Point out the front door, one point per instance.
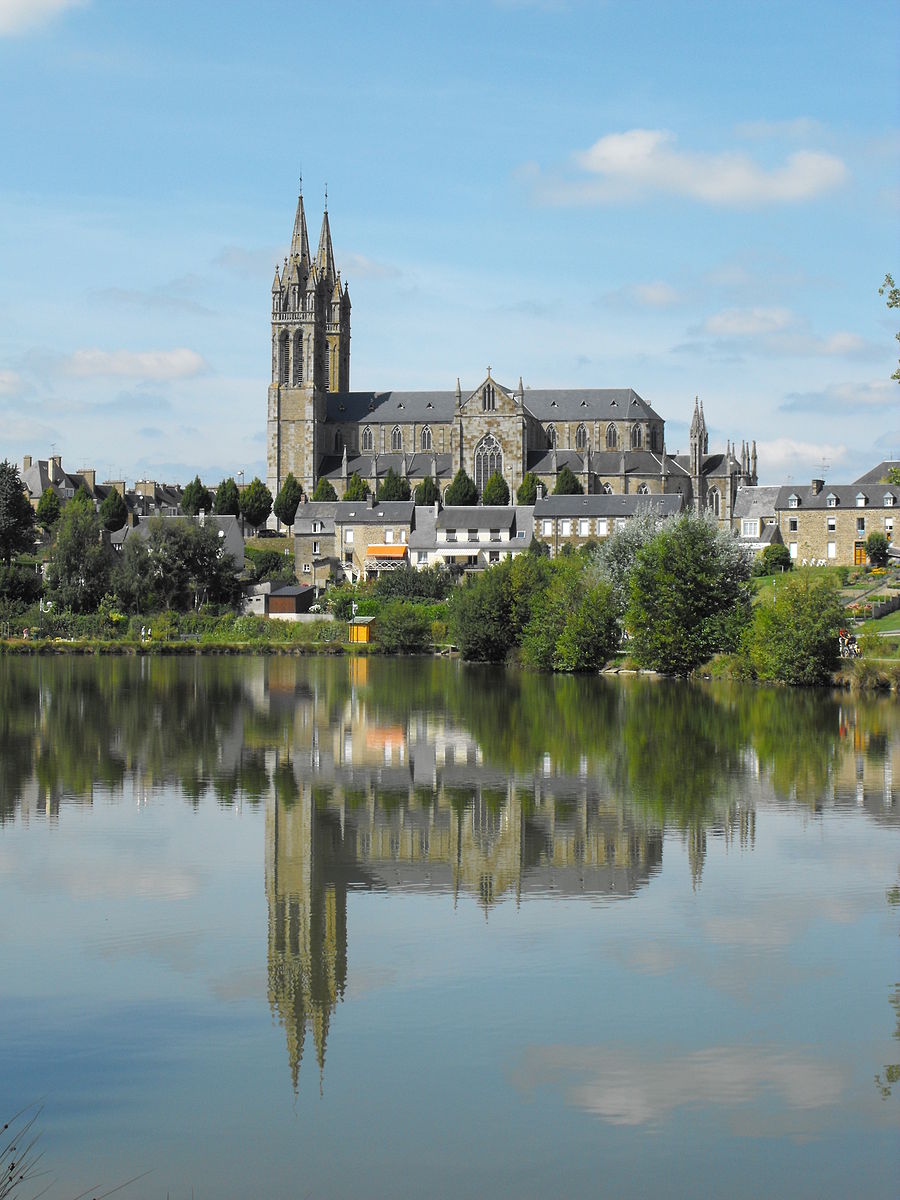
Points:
(859, 554)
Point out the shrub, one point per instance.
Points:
(496, 490)
(794, 634)
(402, 628)
(877, 549)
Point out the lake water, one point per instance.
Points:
(287, 927)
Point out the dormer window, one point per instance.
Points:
(793, 501)
(888, 499)
(832, 500)
(861, 500)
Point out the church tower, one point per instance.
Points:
(699, 447)
(310, 355)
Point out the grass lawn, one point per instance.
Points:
(888, 624)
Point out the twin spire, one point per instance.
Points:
(300, 243)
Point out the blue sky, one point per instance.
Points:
(681, 197)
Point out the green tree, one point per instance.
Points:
(689, 596)
(526, 493)
(774, 559)
(496, 490)
(178, 566)
(324, 490)
(402, 628)
(392, 487)
(573, 624)
(877, 547)
(228, 499)
(479, 617)
(113, 511)
(794, 633)
(590, 636)
(892, 292)
(288, 500)
(617, 554)
(196, 498)
(16, 514)
(81, 564)
(357, 488)
(462, 490)
(256, 503)
(427, 492)
(48, 509)
(567, 484)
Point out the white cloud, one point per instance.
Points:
(844, 398)
(10, 383)
(786, 456)
(180, 363)
(779, 332)
(640, 162)
(748, 322)
(656, 294)
(22, 16)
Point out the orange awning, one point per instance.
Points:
(376, 551)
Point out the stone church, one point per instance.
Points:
(610, 438)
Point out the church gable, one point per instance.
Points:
(490, 397)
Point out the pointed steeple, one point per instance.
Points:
(753, 460)
(299, 238)
(325, 253)
(520, 392)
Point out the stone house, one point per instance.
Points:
(470, 537)
(573, 520)
(351, 539)
(830, 523)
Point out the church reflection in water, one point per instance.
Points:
(360, 801)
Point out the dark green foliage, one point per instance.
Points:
(324, 490)
(526, 493)
(480, 618)
(773, 560)
(178, 566)
(16, 514)
(573, 625)
(877, 549)
(427, 492)
(113, 511)
(794, 634)
(271, 566)
(20, 586)
(496, 490)
(403, 628)
(228, 499)
(357, 488)
(406, 583)
(81, 565)
(567, 484)
(392, 487)
(256, 503)
(688, 596)
(196, 498)
(288, 500)
(48, 509)
(462, 490)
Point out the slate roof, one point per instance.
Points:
(755, 502)
(554, 404)
(845, 494)
(877, 473)
(604, 505)
(351, 512)
(233, 540)
(418, 465)
(477, 516)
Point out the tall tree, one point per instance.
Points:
(527, 489)
(113, 511)
(256, 503)
(794, 634)
(196, 498)
(496, 490)
(567, 484)
(357, 488)
(48, 509)
(80, 568)
(892, 292)
(462, 490)
(393, 487)
(16, 514)
(427, 492)
(324, 490)
(288, 500)
(228, 499)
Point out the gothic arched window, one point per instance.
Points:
(581, 438)
(426, 437)
(612, 438)
(338, 442)
(488, 459)
(606, 489)
(396, 438)
(713, 501)
(654, 438)
(636, 437)
(551, 436)
(298, 358)
(284, 355)
(488, 398)
(368, 442)
(643, 490)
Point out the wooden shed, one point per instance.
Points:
(361, 630)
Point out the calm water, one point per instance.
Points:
(319, 928)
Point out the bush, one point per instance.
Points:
(402, 628)
(772, 560)
(877, 549)
(794, 634)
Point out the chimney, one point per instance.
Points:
(26, 462)
(817, 485)
(540, 491)
(436, 507)
(55, 467)
(118, 484)
(90, 478)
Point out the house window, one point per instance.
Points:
(388, 536)
(831, 524)
(451, 535)
(495, 535)
(643, 490)
(792, 524)
(636, 437)
(368, 440)
(831, 550)
(317, 547)
(793, 501)
(889, 527)
(421, 556)
(832, 501)
(602, 527)
(620, 522)
(348, 536)
(792, 548)
(546, 528)
(612, 438)
(426, 438)
(888, 500)
(494, 556)
(318, 526)
(584, 527)
(396, 438)
(488, 398)
(860, 524)
(307, 569)
(581, 438)
(861, 500)
(565, 527)
(473, 535)
(488, 460)
(749, 527)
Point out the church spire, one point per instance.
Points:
(300, 238)
(325, 253)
